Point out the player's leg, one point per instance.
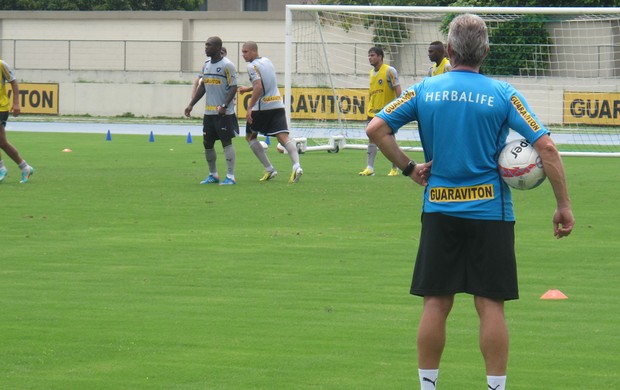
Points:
(494, 340)
(291, 147)
(371, 155)
(229, 153)
(393, 170)
(208, 140)
(6, 146)
(438, 275)
(492, 279)
(226, 133)
(12, 152)
(276, 121)
(432, 337)
(258, 150)
(3, 170)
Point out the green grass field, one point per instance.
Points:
(120, 271)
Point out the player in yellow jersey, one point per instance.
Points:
(437, 54)
(6, 106)
(384, 87)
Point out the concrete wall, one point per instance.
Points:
(237, 5)
(132, 42)
(150, 100)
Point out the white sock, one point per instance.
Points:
(428, 379)
(291, 148)
(259, 152)
(496, 382)
(372, 155)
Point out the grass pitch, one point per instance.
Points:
(120, 271)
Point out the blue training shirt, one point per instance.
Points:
(464, 119)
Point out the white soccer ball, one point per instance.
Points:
(264, 145)
(520, 165)
(281, 148)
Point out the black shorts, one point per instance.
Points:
(4, 116)
(459, 255)
(219, 127)
(268, 122)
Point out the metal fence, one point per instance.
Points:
(595, 60)
(165, 56)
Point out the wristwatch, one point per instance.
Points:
(410, 167)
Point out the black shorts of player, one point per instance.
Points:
(459, 255)
(268, 122)
(4, 116)
(219, 127)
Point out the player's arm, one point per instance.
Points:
(380, 133)
(197, 96)
(228, 99)
(395, 81)
(197, 82)
(563, 219)
(230, 96)
(257, 92)
(243, 90)
(398, 90)
(15, 87)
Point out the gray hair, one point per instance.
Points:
(468, 40)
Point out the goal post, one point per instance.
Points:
(566, 62)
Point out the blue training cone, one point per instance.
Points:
(151, 137)
(189, 137)
(108, 136)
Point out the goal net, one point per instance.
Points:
(566, 61)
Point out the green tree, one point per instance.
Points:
(518, 47)
(484, 3)
(101, 5)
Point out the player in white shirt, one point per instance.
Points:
(219, 85)
(266, 113)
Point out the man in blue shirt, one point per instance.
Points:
(467, 238)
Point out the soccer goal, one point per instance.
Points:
(566, 61)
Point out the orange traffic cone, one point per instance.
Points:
(554, 294)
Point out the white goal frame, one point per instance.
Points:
(338, 141)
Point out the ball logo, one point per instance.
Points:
(380, 81)
(519, 148)
(520, 166)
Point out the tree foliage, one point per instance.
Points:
(518, 47)
(483, 3)
(101, 5)
(388, 31)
